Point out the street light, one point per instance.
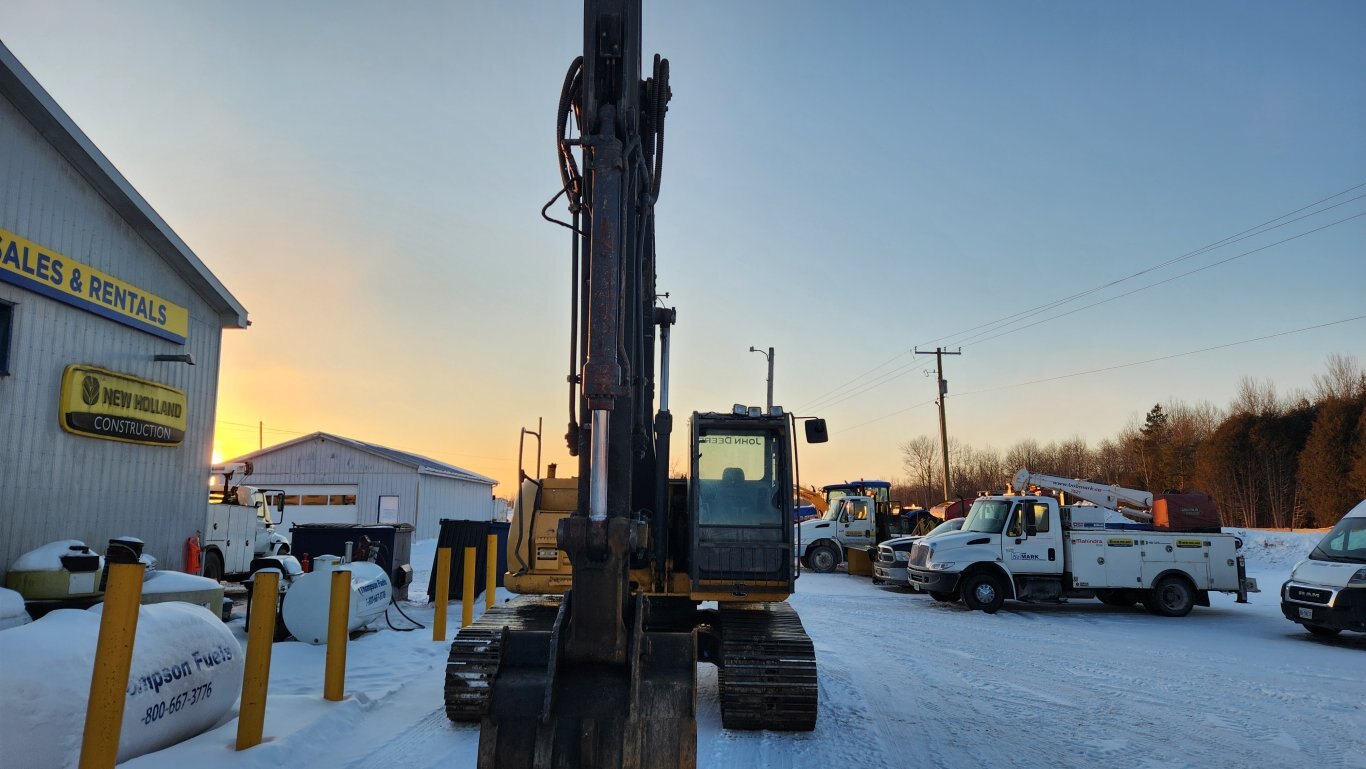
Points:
(769, 356)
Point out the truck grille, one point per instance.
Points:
(1309, 595)
(885, 554)
(920, 554)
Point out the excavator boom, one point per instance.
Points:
(604, 685)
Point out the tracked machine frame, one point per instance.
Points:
(629, 579)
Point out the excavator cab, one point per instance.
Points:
(742, 537)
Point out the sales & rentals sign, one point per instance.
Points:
(106, 404)
(27, 264)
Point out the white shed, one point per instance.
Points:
(327, 478)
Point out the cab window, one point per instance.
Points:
(858, 510)
(1039, 511)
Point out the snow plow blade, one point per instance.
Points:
(546, 713)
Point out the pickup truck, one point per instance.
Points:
(1029, 548)
(892, 555)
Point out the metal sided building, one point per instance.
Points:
(331, 479)
(105, 427)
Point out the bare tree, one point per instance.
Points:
(1343, 380)
(1026, 454)
(920, 458)
(1256, 398)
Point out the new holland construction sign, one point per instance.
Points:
(106, 404)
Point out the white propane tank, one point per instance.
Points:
(185, 676)
(309, 599)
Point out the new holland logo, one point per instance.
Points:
(90, 390)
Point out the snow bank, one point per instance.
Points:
(1276, 551)
(12, 612)
(186, 674)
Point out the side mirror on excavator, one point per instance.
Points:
(816, 432)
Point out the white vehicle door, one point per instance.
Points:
(1032, 541)
(858, 523)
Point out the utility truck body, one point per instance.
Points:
(1031, 548)
(239, 527)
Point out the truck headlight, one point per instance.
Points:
(901, 556)
(1358, 579)
(942, 565)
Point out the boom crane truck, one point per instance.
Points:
(1030, 548)
(594, 665)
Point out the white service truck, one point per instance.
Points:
(855, 522)
(239, 527)
(1031, 548)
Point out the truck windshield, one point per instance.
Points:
(834, 511)
(1346, 542)
(988, 516)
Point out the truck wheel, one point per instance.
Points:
(822, 558)
(983, 591)
(1321, 631)
(943, 597)
(213, 565)
(1171, 597)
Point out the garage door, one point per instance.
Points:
(320, 504)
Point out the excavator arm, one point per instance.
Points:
(606, 685)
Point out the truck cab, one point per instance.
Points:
(1006, 536)
(849, 523)
(1326, 592)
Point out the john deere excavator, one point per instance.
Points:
(595, 664)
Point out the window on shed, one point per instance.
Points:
(6, 324)
(314, 499)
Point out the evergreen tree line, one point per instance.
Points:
(1269, 461)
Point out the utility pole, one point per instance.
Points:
(768, 355)
(939, 353)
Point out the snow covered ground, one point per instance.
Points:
(905, 682)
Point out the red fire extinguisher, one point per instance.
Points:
(192, 551)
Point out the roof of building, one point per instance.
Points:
(38, 106)
(423, 465)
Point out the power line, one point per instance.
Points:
(1169, 357)
(972, 340)
(903, 370)
(1251, 232)
(843, 392)
(1112, 368)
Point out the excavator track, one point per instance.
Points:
(473, 659)
(767, 669)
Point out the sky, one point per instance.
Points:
(844, 182)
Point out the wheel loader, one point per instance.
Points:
(628, 578)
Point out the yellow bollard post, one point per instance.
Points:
(113, 659)
(467, 594)
(338, 621)
(491, 572)
(251, 719)
(443, 592)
